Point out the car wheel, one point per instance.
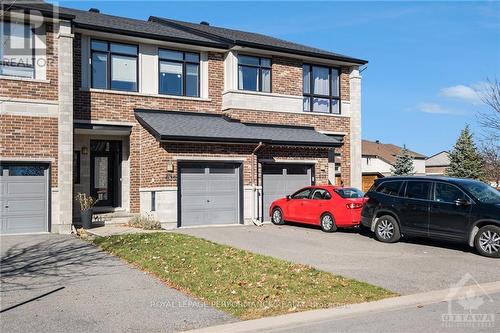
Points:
(277, 217)
(387, 229)
(327, 223)
(487, 241)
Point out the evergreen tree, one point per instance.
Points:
(404, 164)
(465, 161)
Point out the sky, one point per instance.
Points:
(428, 61)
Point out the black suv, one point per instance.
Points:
(456, 209)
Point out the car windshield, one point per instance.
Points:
(482, 192)
(349, 192)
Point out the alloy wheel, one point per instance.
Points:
(385, 229)
(327, 222)
(489, 241)
(277, 216)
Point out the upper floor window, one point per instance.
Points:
(321, 86)
(114, 65)
(17, 50)
(179, 73)
(254, 73)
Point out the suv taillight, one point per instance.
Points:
(354, 205)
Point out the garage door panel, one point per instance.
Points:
(24, 198)
(19, 224)
(26, 188)
(211, 196)
(280, 180)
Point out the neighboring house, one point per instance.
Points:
(378, 159)
(190, 123)
(437, 164)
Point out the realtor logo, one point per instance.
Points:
(470, 308)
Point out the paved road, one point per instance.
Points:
(406, 267)
(428, 318)
(91, 291)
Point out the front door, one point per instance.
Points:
(105, 171)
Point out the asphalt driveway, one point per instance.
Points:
(406, 267)
(58, 283)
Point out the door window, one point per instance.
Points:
(417, 190)
(390, 188)
(321, 194)
(302, 194)
(447, 193)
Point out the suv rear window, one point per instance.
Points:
(390, 187)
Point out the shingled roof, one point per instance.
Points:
(179, 31)
(384, 151)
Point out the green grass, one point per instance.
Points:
(244, 284)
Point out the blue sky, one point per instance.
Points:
(427, 60)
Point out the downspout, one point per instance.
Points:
(253, 171)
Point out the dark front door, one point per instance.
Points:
(414, 212)
(449, 217)
(105, 162)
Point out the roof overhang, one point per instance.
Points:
(215, 128)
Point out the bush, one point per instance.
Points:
(144, 222)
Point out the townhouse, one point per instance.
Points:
(190, 123)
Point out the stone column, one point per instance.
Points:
(355, 127)
(65, 127)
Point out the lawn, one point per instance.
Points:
(244, 284)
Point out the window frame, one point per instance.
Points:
(109, 73)
(311, 196)
(184, 62)
(311, 95)
(33, 55)
(430, 191)
(300, 191)
(433, 196)
(259, 67)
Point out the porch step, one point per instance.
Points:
(111, 218)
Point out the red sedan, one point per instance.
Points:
(327, 206)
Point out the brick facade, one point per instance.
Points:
(29, 137)
(33, 137)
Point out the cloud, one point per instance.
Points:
(462, 92)
(435, 108)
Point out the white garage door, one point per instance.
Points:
(24, 198)
(209, 194)
(280, 180)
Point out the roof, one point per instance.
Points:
(384, 151)
(179, 31)
(206, 127)
(252, 39)
(437, 160)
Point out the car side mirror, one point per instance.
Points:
(462, 202)
(288, 197)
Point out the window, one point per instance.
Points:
(321, 87)
(302, 194)
(481, 191)
(179, 73)
(153, 201)
(417, 190)
(447, 193)
(349, 192)
(321, 194)
(76, 167)
(254, 73)
(114, 66)
(390, 188)
(26, 170)
(17, 50)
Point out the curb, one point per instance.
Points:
(394, 303)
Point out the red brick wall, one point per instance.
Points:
(29, 137)
(37, 90)
(286, 76)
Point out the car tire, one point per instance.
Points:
(487, 241)
(387, 229)
(327, 223)
(277, 216)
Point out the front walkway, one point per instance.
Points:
(58, 283)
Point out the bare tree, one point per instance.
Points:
(490, 153)
(490, 119)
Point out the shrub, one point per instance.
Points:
(144, 222)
